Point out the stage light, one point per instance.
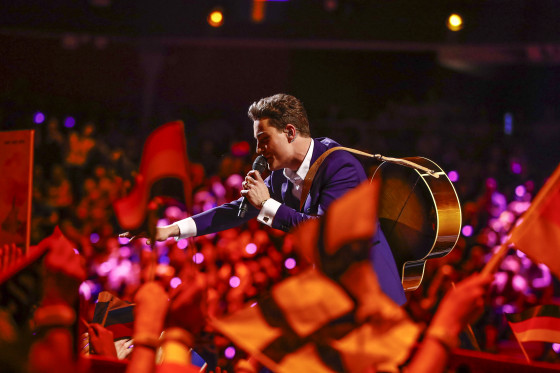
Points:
(454, 22)
(453, 176)
(230, 352)
(69, 122)
(234, 281)
(258, 11)
(467, 231)
(215, 17)
(251, 248)
(182, 244)
(516, 167)
(85, 290)
(175, 281)
(508, 123)
(94, 238)
(520, 191)
(198, 258)
(290, 263)
(39, 117)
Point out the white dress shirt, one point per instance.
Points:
(268, 211)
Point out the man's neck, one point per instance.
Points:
(301, 146)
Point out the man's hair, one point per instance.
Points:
(280, 110)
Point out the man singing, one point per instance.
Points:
(281, 128)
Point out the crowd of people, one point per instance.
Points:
(80, 172)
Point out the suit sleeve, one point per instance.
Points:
(339, 173)
(221, 218)
(224, 217)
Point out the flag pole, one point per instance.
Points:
(492, 265)
(153, 207)
(470, 331)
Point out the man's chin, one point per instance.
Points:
(273, 167)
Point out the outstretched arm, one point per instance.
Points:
(458, 308)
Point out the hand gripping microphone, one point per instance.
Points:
(259, 165)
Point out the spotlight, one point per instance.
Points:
(455, 22)
(39, 117)
(215, 17)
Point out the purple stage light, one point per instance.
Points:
(198, 258)
(520, 191)
(94, 238)
(39, 117)
(123, 240)
(467, 231)
(234, 281)
(290, 263)
(85, 290)
(182, 244)
(69, 122)
(453, 176)
(251, 248)
(104, 268)
(230, 352)
(508, 123)
(175, 281)
(516, 168)
(508, 308)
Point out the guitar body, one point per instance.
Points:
(419, 214)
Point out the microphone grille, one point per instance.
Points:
(260, 164)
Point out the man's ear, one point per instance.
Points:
(291, 132)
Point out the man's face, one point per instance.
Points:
(272, 144)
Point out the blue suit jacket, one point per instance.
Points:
(339, 173)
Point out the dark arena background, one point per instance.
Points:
(473, 86)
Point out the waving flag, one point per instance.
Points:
(538, 232)
(164, 164)
(115, 315)
(540, 323)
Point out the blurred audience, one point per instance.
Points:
(79, 173)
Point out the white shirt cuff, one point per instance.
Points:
(187, 228)
(268, 211)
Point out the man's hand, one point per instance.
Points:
(186, 305)
(101, 340)
(162, 233)
(150, 311)
(462, 304)
(254, 189)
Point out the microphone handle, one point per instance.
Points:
(243, 208)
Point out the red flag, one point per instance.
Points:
(164, 157)
(540, 323)
(538, 232)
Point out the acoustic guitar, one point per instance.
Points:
(419, 214)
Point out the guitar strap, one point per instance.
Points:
(308, 181)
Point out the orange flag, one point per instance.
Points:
(537, 233)
(317, 322)
(164, 159)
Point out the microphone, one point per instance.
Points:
(259, 165)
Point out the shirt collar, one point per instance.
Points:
(301, 172)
